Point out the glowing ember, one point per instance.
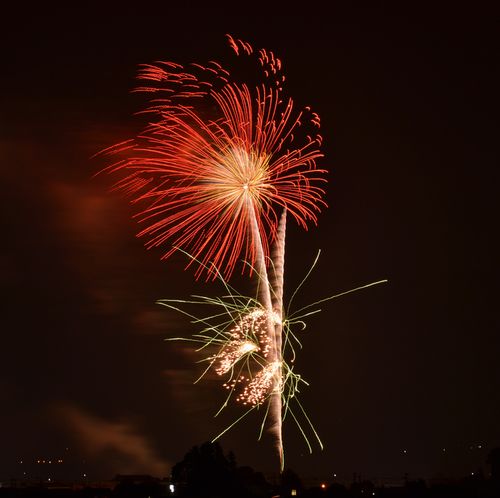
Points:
(249, 335)
(259, 387)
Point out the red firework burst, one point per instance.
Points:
(204, 184)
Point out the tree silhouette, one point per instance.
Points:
(206, 472)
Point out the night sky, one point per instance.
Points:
(403, 376)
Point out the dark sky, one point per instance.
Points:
(397, 373)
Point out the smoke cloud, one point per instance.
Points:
(130, 451)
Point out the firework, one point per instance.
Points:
(247, 336)
(212, 173)
(218, 158)
(238, 331)
(258, 388)
(244, 347)
(216, 174)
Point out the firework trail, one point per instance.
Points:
(277, 298)
(218, 166)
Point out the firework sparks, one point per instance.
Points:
(249, 335)
(245, 351)
(201, 181)
(257, 390)
(232, 352)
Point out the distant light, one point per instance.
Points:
(323, 485)
(444, 449)
(373, 493)
(472, 473)
(334, 475)
(404, 451)
(48, 479)
(293, 492)
(479, 446)
(84, 475)
(172, 488)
